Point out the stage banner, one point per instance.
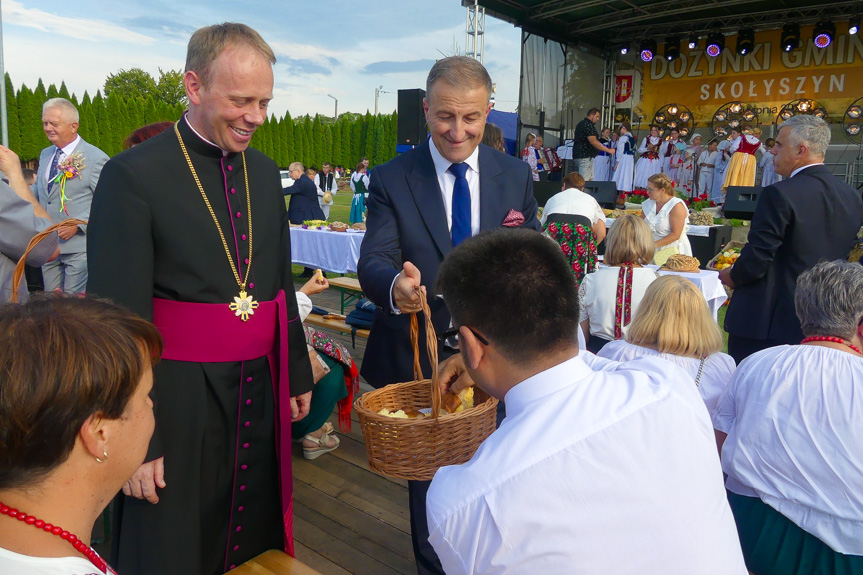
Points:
(767, 78)
(623, 90)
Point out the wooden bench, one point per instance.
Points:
(338, 325)
(273, 562)
(349, 289)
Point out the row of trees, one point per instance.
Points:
(108, 120)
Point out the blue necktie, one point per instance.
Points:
(460, 204)
(52, 173)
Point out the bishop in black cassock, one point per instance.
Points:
(152, 236)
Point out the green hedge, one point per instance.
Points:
(106, 122)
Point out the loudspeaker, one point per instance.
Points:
(412, 121)
(740, 201)
(542, 191)
(604, 192)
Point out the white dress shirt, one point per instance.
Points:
(801, 168)
(574, 202)
(611, 472)
(793, 417)
(64, 153)
(717, 371)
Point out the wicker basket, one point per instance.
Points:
(34, 241)
(416, 448)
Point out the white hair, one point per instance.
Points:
(70, 112)
(811, 131)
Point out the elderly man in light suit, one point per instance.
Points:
(60, 123)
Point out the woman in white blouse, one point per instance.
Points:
(667, 216)
(790, 421)
(610, 296)
(673, 322)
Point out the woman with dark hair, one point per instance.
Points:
(788, 427)
(576, 222)
(360, 187)
(145, 133)
(75, 424)
(493, 137)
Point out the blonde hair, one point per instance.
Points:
(673, 317)
(206, 44)
(629, 240)
(663, 182)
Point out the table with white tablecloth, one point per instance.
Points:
(708, 282)
(331, 251)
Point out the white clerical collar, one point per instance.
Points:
(197, 133)
(441, 164)
(800, 169)
(68, 148)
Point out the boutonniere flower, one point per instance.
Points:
(68, 169)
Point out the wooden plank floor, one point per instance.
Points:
(348, 519)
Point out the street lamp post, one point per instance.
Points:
(377, 95)
(336, 116)
(4, 121)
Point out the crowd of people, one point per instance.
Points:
(627, 441)
(695, 168)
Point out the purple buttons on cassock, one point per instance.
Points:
(244, 237)
(248, 402)
(248, 379)
(248, 423)
(239, 215)
(252, 285)
(230, 168)
(245, 446)
(242, 487)
(233, 191)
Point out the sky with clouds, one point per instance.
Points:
(337, 47)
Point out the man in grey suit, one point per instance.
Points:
(21, 217)
(70, 198)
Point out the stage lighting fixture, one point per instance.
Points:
(745, 41)
(684, 132)
(736, 107)
(672, 48)
(733, 124)
(790, 37)
(720, 116)
(659, 118)
(693, 41)
(855, 111)
(624, 49)
(854, 25)
(685, 116)
(715, 44)
(823, 33)
(720, 131)
(804, 106)
(748, 115)
(671, 125)
(786, 114)
(853, 129)
(648, 49)
(673, 109)
(819, 113)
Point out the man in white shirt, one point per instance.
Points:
(611, 472)
(325, 181)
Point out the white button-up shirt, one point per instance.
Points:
(611, 472)
(793, 417)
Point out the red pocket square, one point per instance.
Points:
(513, 219)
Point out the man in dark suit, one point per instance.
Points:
(304, 197)
(422, 204)
(809, 217)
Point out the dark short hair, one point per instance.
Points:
(524, 310)
(144, 133)
(62, 360)
(593, 111)
(28, 173)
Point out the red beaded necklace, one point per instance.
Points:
(79, 545)
(832, 339)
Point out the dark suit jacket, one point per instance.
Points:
(407, 222)
(304, 201)
(798, 222)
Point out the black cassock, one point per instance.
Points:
(151, 235)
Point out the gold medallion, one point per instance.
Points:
(244, 306)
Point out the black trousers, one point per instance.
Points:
(742, 347)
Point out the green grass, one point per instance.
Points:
(721, 319)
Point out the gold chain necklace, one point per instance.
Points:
(244, 305)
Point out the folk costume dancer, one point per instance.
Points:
(625, 157)
(649, 162)
(706, 164)
(360, 188)
(717, 193)
(741, 168)
(171, 238)
(668, 149)
(603, 161)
